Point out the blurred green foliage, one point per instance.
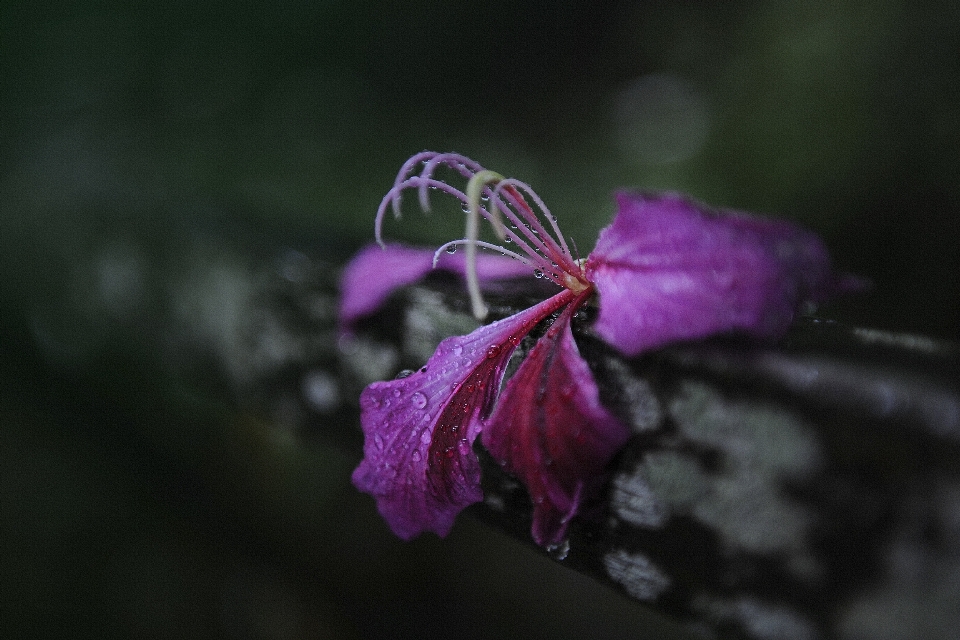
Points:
(136, 137)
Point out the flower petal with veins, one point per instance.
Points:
(551, 430)
(669, 269)
(419, 431)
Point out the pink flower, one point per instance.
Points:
(667, 269)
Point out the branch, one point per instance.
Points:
(804, 489)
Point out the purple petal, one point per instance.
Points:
(376, 272)
(418, 458)
(669, 269)
(551, 430)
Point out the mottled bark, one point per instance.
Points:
(804, 489)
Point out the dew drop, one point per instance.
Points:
(405, 373)
(419, 400)
(463, 447)
(493, 351)
(484, 197)
(465, 208)
(507, 239)
(426, 436)
(378, 440)
(537, 273)
(559, 551)
(448, 452)
(452, 249)
(415, 456)
(457, 350)
(396, 393)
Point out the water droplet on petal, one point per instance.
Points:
(396, 393)
(452, 249)
(537, 273)
(405, 373)
(415, 456)
(457, 350)
(426, 437)
(448, 452)
(493, 351)
(378, 440)
(465, 208)
(463, 447)
(419, 400)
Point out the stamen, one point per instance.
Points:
(548, 254)
(475, 187)
(393, 197)
(477, 182)
(447, 248)
(405, 171)
(531, 227)
(462, 164)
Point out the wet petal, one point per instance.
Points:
(551, 430)
(669, 269)
(376, 272)
(418, 458)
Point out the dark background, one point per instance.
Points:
(143, 146)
